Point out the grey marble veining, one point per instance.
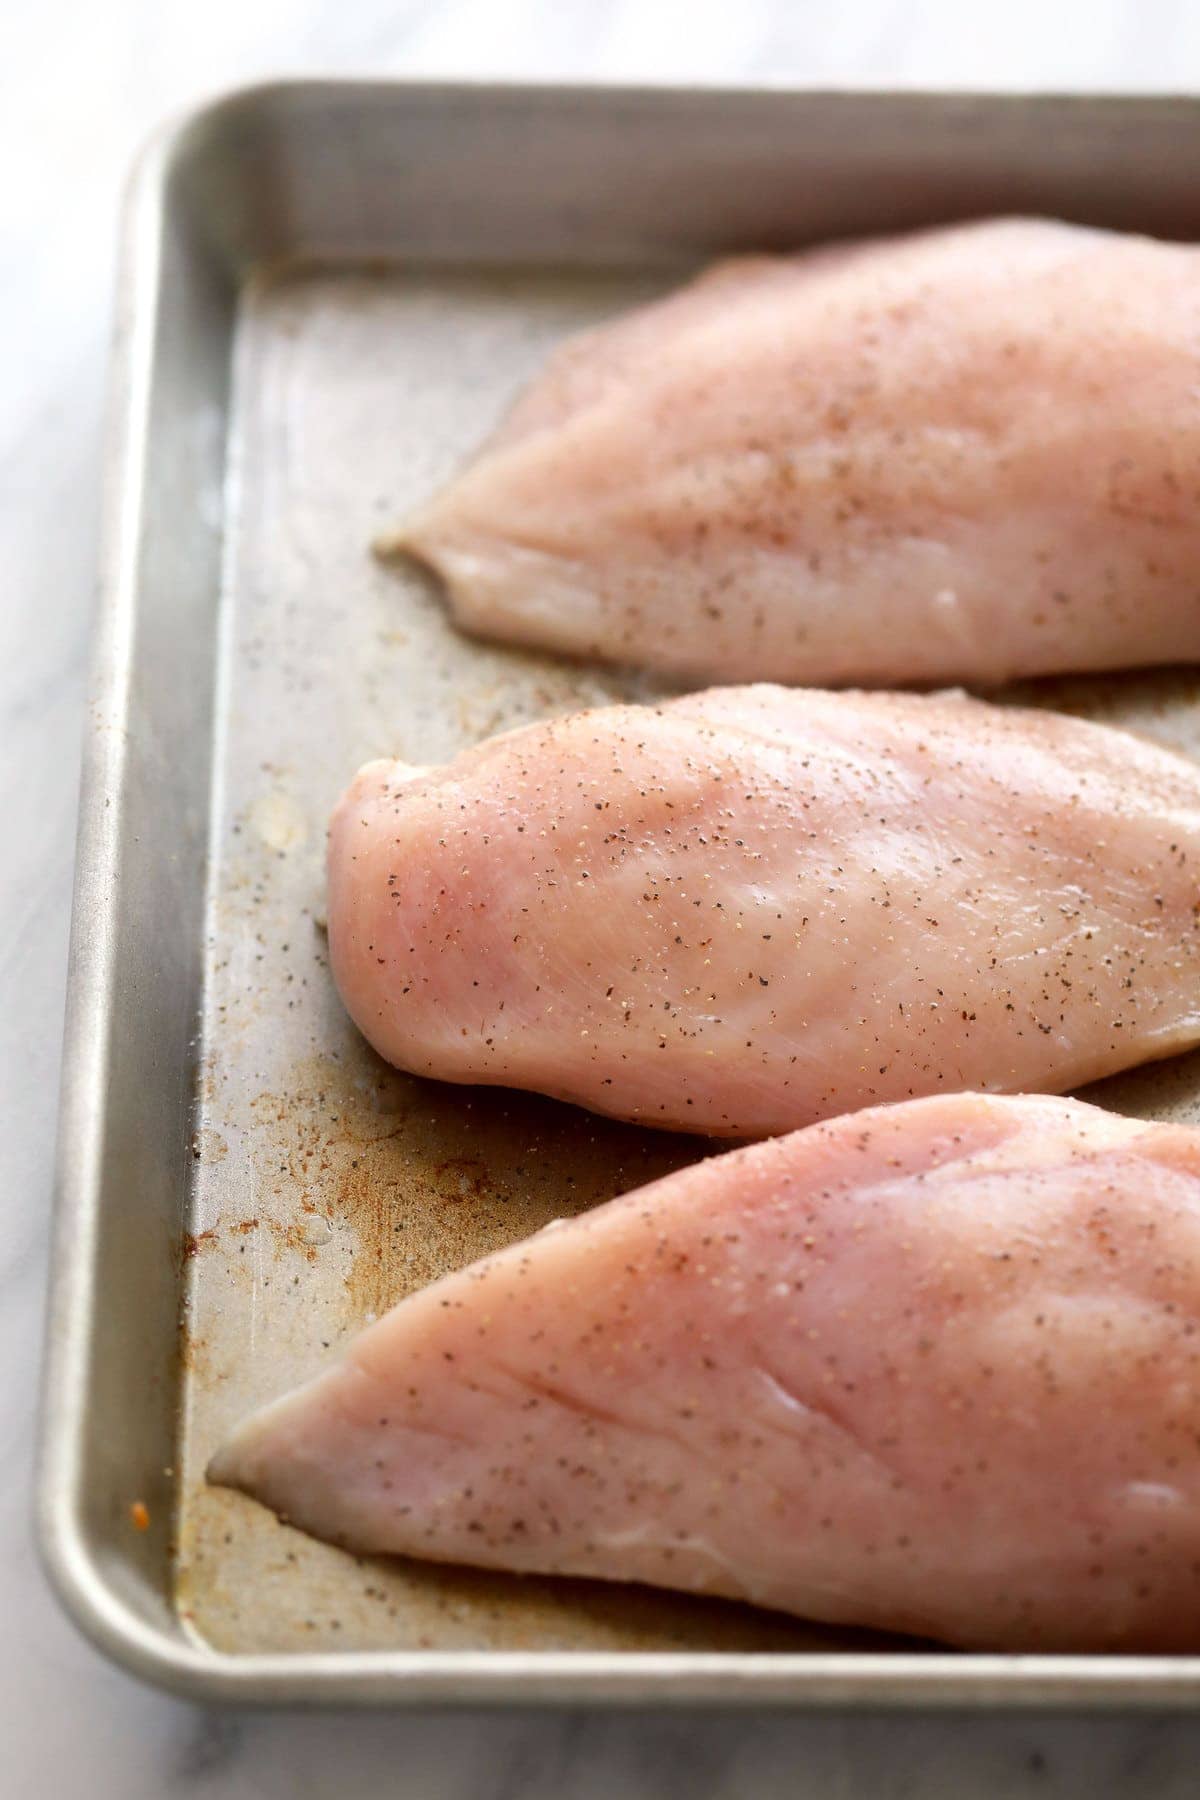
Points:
(81, 83)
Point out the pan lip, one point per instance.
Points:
(60, 1533)
(169, 1658)
(888, 1680)
(169, 137)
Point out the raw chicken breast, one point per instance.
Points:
(748, 909)
(932, 1367)
(965, 455)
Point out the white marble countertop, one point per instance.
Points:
(81, 84)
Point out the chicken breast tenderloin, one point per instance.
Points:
(961, 455)
(748, 909)
(933, 1368)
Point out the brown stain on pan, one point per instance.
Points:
(408, 1179)
(402, 1179)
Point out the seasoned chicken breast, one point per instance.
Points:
(751, 908)
(961, 455)
(932, 1367)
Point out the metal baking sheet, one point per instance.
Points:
(330, 292)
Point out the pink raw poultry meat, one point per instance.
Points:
(748, 909)
(962, 455)
(932, 1367)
